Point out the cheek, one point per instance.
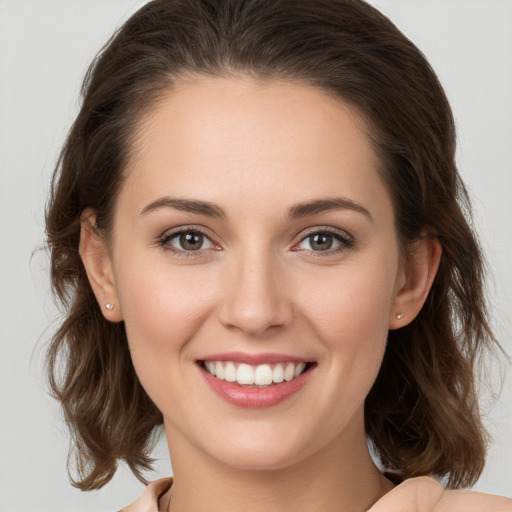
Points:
(350, 314)
(162, 309)
(351, 307)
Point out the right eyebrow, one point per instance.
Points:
(186, 205)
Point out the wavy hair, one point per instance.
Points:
(422, 414)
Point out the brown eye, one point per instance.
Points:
(320, 242)
(325, 241)
(189, 241)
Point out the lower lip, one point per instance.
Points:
(255, 397)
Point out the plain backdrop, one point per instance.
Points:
(45, 48)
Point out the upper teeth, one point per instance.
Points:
(260, 375)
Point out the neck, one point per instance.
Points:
(340, 477)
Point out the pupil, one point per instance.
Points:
(321, 242)
(191, 241)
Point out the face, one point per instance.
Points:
(254, 234)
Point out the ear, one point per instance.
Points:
(95, 256)
(415, 280)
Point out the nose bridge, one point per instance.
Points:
(256, 298)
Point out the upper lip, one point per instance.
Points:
(255, 359)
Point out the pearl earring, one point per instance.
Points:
(109, 306)
(399, 316)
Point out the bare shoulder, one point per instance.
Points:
(473, 501)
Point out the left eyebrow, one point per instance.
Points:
(301, 210)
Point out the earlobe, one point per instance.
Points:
(96, 260)
(416, 280)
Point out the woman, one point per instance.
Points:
(257, 225)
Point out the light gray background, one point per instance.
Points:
(45, 47)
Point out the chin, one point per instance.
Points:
(261, 455)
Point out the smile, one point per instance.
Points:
(262, 375)
(255, 381)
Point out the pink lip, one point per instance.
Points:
(250, 397)
(255, 359)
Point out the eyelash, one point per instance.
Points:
(164, 240)
(345, 240)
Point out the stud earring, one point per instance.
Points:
(109, 306)
(399, 316)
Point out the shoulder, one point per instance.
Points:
(473, 501)
(148, 500)
(427, 495)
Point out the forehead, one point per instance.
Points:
(267, 141)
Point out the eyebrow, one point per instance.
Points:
(301, 210)
(296, 211)
(186, 205)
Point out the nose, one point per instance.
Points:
(255, 300)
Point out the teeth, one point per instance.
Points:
(219, 370)
(263, 375)
(210, 365)
(299, 369)
(230, 372)
(245, 374)
(278, 373)
(260, 375)
(289, 372)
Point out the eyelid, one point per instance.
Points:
(346, 240)
(169, 234)
(185, 228)
(325, 229)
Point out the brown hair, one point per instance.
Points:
(421, 415)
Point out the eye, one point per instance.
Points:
(325, 241)
(186, 240)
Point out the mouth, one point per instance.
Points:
(256, 376)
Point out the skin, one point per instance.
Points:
(255, 149)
